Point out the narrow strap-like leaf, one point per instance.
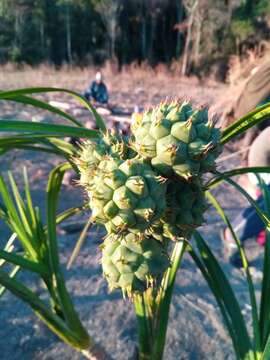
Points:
(238, 127)
(20, 205)
(29, 142)
(252, 295)
(14, 93)
(217, 180)
(53, 189)
(46, 129)
(14, 220)
(263, 216)
(265, 290)
(165, 296)
(68, 213)
(219, 299)
(30, 207)
(143, 328)
(27, 100)
(23, 263)
(11, 274)
(80, 242)
(227, 295)
(266, 353)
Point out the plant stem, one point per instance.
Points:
(144, 330)
(164, 301)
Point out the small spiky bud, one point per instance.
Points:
(91, 152)
(186, 205)
(133, 264)
(126, 195)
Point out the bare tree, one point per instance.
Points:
(66, 7)
(204, 18)
(191, 8)
(109, 11)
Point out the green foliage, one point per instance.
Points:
(248, 20)
(40, 256)
(242, 29)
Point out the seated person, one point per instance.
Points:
(97, 91)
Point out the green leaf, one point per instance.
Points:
(30, 207)
(68, 213)
(164, 299)
(265, 219)
(23, 262)
(30, 141)
(12, 274)
(20, 205)
(144, 332)
(218, 296)
(217, 180)
(28, 148)
(61, 145)
(80, 242)
(46, 129)
(238, 127)
(226, 295)
(252, 295)
(53, 189)
(25, 221)
(14, 221)
(8, 247)
(27, 100)
(14, 93)
(265, 291)
(266, 353)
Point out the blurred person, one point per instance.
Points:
(248, 224)
(97, 91)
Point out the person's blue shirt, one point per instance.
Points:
(98, 92)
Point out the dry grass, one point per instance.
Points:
(134, 85)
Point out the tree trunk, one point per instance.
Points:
(165, 41)
(151, 38)
(113, 38)
(68, 34)
(42, 39)
(179, 18)
(143, 35)
(197, 42)
(188, 39)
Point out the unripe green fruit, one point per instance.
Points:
(91, 152)
(133, 264)
(186, 205)
(178, 139)
(126, 195)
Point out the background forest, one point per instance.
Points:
(198, 35)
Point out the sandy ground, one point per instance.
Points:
(195, 330)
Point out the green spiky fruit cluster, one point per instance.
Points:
(131, 263)
(177, 139)
(148, 190)
(126, 195)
